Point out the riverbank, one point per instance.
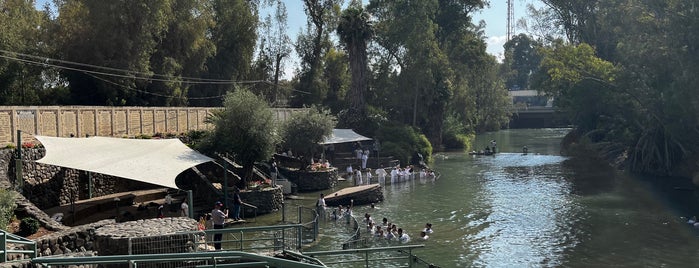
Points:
(679, 189)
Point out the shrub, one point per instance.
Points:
(7, 207)
(28, 226)
(403, 142)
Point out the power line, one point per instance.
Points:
(154, 94)
(198, 80)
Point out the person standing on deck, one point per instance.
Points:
(218, 218)
(237, 203)
(365, 158)
(184, 208)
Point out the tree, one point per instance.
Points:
(311, 46)
(234, 35)
(274, 47)
(523, 59)
(355, 30)
(305, 130)
(115, 34)
(245, 128)
(23, 29)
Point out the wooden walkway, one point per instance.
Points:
(362, 194)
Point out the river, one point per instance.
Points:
(534, 210)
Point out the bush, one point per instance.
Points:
(7, 207)
(28, 226)
(457, 141)
(403, 142)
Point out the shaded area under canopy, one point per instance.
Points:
(156, 161)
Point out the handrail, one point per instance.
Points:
(209, 256)
(410, 258)
(9, 238)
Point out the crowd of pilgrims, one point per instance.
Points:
(384, 230)
(397, 174)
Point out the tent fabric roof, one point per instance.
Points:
(344, 135)
(156, 161)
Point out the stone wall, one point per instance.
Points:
(82, 121)
(310, 181)
(49, 186)
(267, 200)
(76, 239)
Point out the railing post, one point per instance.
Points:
(3, 242)
(300, 211)
(299, 238)
(366, 258)
(283, 212)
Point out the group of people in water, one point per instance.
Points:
(397, 174)
(385, 230)
(389, 231)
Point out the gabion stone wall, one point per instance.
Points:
(147, 236)
(267, 200)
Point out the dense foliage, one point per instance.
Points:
(414, 63)
(629, 79)
(245, 129)
(7, 207)
(304, 130)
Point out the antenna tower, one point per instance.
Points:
(510, 20)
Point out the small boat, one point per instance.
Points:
(362, 195)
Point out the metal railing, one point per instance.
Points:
(16, 248)
(254, 239)
(401, 256)
(263, 239)
(192, 259)
(355, 240)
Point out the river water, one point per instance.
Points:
(534, 210)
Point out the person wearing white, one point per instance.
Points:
(368, 177)
(350, 172)
(394, 174)
(365, 158)
(359, 178)
(403, 238)
(428, 228)
(184, 209)
(320, 206)
(381, 173)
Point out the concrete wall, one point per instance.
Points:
(81, 121)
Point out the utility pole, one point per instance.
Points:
(510, 20)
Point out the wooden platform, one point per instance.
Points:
(363, 194)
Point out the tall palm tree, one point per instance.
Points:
(355, 30)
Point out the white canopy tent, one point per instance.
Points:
(156, 161)
(343, 136)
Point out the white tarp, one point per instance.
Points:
(344, 135)
(156, 161)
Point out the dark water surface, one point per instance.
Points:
(535, 210)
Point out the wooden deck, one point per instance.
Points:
(363, 194)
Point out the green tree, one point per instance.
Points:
(180, 52)
(234, 35)
(311, 46)
(523, 60)
(116, 34)
(305, 130)
(355, 30)
(244, 128)
(23, 30)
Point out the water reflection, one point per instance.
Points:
(535, 210)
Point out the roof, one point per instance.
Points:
(343, 136)
(155, 161)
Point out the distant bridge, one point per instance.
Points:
(537, 117)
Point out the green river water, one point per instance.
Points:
(534, 210)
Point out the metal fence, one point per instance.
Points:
(397, 256)
(16, 248)
(193, 259)
(355, 240)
